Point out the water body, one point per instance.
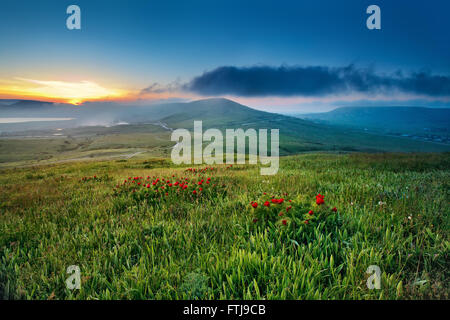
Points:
(22, 120)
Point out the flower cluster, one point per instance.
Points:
(283, 211)
(176, 188)
(320, 199)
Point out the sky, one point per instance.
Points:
(285, 56)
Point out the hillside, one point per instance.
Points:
(93, 133)
(425, 123)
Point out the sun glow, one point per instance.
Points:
(62, 91)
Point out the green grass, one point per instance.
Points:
(146, 245)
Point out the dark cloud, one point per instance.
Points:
(312, 81)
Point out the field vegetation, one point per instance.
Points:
(145, 229)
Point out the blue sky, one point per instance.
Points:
(131, 45)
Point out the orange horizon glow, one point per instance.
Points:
(75, 93)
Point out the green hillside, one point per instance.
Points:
(149, 127)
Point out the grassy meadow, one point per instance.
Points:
(137, 229)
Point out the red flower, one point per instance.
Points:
(255, 220)
(254, 204)
(194, 192)
(306, 221)
(320, 199)
(279, 201)
(267, 203)
(288, 208)
(284, 222)
(334, 209)
(311, 212)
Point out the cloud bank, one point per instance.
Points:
(312, 81)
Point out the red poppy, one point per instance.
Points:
(254, 204)
(284, 222)
(255, 220)
(311, 212)
(334, 209)
(267, 203)
(194, 192)
(288, 208)
(320, 199)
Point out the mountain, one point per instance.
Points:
(394, 119)
(95, 121)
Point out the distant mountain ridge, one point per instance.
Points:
(296, 135)
(397, 120)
